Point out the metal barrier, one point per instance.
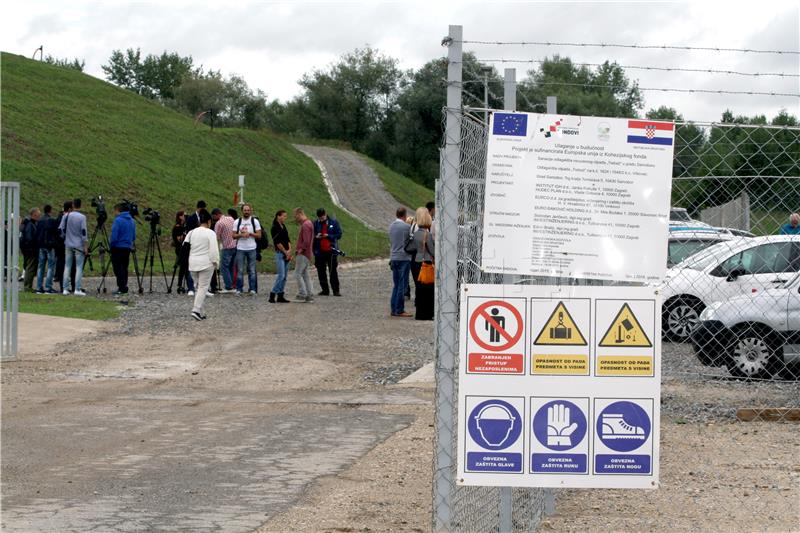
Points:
(748, 289)
(9, 265)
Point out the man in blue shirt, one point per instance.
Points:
(793, 227)
(400, 262)
(123, 236)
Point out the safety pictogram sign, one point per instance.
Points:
(623, 431)
(560, 330)
(625, 331)
(496, 440)
(561, 347)
(496, 333)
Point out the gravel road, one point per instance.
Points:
(357, 188)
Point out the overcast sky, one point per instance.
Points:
(271, 44)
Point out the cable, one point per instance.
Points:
(665, 69)
(638, 46)
(661, 89)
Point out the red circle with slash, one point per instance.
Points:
(511, 340)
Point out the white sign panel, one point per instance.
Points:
(559, 386)
(579, 197)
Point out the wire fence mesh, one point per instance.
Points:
(731, 315)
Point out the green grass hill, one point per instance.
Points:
(66, 134)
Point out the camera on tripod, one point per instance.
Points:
(152, 216)
(133, 208)
(100, 208)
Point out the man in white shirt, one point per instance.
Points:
(246, 230)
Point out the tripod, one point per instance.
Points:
(153, 246)
(99, 241)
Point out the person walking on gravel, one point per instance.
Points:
(283, 255)
(203, 260)
(400, 263)
(303, 254)
(327, 233)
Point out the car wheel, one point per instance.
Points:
(681, 317)
(751, 354)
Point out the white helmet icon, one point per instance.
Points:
(495, 423)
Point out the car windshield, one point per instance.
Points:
(711, 255)
(679, 214)
(680, 250)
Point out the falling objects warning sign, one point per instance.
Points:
(560, 330)
(626, 331)
(625, 347)
(496, 336)
(561, 346)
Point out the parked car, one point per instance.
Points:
(722, 271)
(736, 232)
(680, 216)
(686, 241)
(754, 335)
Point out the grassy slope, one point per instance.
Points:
(66, 134)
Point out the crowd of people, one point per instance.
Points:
(215, 249)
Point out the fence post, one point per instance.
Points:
(510, 90)
(447, 289)
(9, 266)
(552, 105)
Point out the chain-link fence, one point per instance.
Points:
(731, 315)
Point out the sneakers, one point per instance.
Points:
(65, 292)
(309, 299)
(51, 291)
(190, 293)
(226, 291)
(197, 316)
(40, 291)
(209, 294)
(614, 427)
(238, 293)
(79, 293)
(253, 293)
(402, 315)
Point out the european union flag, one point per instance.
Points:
(510, 124)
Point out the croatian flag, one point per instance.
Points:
(515, 124)
(648, 132)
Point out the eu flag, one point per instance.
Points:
(510, 124)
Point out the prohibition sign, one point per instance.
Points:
(481, 312)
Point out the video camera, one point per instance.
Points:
(133, 208)
(100, 208)
(152, 216)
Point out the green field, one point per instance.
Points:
(66, 135)
(67, 306)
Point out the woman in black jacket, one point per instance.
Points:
(283, 255)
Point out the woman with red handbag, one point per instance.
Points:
(425, 246)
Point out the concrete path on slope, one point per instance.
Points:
(353, 185)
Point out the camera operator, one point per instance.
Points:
(123, 237)
(178, 235)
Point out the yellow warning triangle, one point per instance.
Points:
(625, 331)
(560, 330)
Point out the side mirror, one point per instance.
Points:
(735, 273)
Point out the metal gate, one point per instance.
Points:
(9, 265)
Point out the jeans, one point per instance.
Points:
(226, 259)
(301, 266)
(324, 261)
(47, 259)
(120, 259)
(252, 280)
(280, 281)
(74, 254)
(203, 281)
(400, 271)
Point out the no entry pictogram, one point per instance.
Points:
(500, 327)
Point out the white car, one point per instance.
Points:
(755, 336)
(722, 271)
(684, 242)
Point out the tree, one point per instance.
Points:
(605, 91)
(156, 77)
(352, 98)
(74, 64)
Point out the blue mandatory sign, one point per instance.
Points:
(623, 426)
(494, 425)
(559, 425)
